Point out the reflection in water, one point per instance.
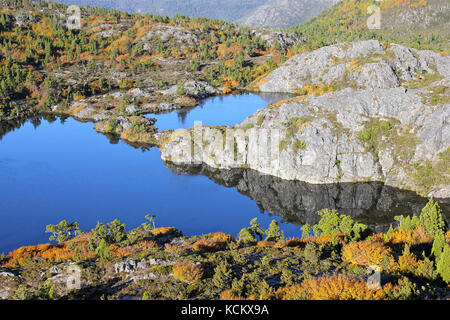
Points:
(12, 125)
(272, 97)
(298, 202)
(216, 111)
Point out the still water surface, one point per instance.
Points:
(58, 169)
(63, 169)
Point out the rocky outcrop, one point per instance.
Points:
(365, 64)
(284, 39)
(350, 135)
(193, 88)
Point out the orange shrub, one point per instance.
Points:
(147, 245)
(83, 238)
(280, 245)
(334, 287)
(265, 244)
(45, 251)
(209, 245)
(420, 235)
(220, 236)
(294, 242)
(56, 254)
(164, 231)
(228, 295)
(378, 236)
(187, 272)
(408, 263)
(365, 253)
(401, 237)
(121, 252)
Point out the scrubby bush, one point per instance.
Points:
(333, 223)
(63, 231)
(187, 272)
(366, 253)
(250, 234)
(274, 233)
(334, 287)
(209, 245)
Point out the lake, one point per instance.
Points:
(60, 168)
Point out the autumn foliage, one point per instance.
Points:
(334, 287)
(213, 242)
(43, 251)
(163, 231)
(209, 245)
(366, 253)
(187, 272)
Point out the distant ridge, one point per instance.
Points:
(254, 13)
(285, 13)
(422, 24)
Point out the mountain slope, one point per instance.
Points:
(422, 24)
(285, 13)
(230, 10)
(254, 13)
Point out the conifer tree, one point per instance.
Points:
(443, 266)
(274, 233)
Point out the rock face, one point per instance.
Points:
(285, 13)
(365, 64)
(197, 89)
(375, 134)
(182, 36)
(286, 40)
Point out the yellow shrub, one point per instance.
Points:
(187, 272)
(334, 287)
(401, 237)
(228, 295)
(408, 263)
(173, 248)
(164, 231)
(365, 253)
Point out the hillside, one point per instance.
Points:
(121, 65)
(229, 10)
(422, 24)
(285, 13)
(254, 13)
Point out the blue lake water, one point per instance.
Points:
(57, 171)
(220, 110)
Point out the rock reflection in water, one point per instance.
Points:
(297, 202)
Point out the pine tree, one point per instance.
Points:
(103, 252)
(443, 266)
(246, 236)
(306, 230)
(438, 246)
(431, 218)
(388, 234)
(274, 233)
